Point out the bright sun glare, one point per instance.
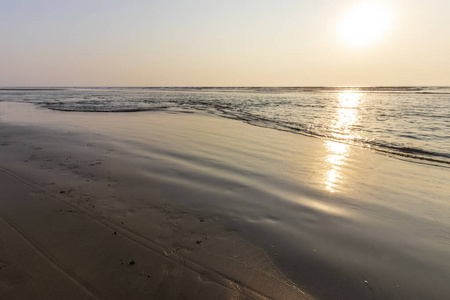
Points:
(365, 23)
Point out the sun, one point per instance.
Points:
(365, 23)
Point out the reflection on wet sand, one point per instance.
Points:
(335, 162)
(338, 153)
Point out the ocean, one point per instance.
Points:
(347, 189)
(410, 122)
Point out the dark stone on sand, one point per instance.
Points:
(62, 192)
(132, 262)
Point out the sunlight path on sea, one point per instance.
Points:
(337, 153)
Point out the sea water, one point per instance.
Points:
(411, 122)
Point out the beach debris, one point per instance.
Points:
(366, 282)
(199, 242)
(132, 262)
(146, 275)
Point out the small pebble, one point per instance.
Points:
(132, 262)
(366, 282)
(62, 192)
(115, 232)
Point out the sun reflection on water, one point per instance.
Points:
(346, 115)
(337, 153)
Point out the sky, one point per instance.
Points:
(224, 43)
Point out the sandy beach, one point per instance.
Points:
(192, 206)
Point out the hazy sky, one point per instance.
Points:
(223, 43)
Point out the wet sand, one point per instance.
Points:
(208, 207)
(78, 220)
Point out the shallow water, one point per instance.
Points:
(412, 122)
(343, 221)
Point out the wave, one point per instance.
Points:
(303, 110)
(232, 112)
(433, 157)
(105, 109)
